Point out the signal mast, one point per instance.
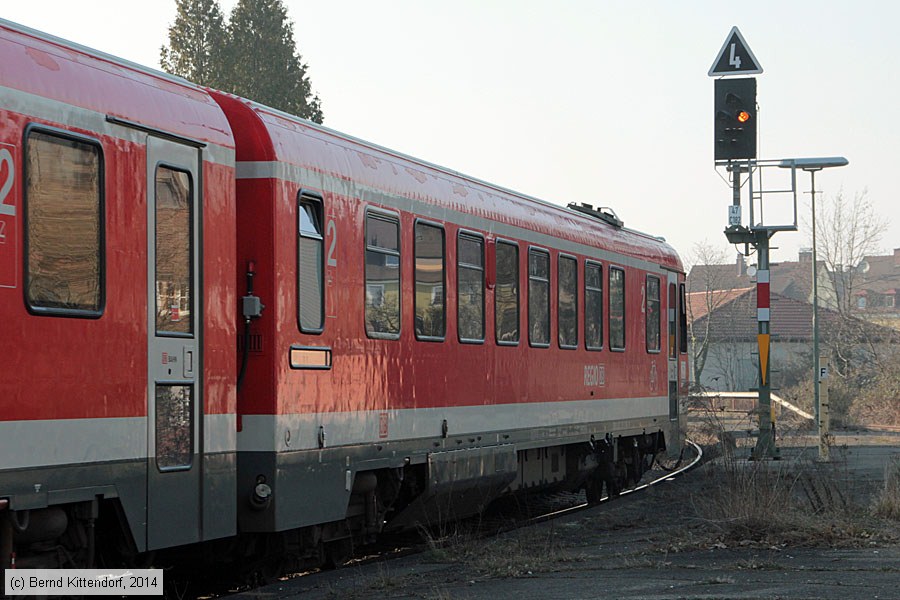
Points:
(735, 149)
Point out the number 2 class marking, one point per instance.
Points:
(6, 186)
(331, 229)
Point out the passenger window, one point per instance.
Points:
(652, 314)
(174, 252)
(382, 276)
(568, 302)
(64, 236)
(174, 427)
(310, 265)
(682, 322)
(538, 297)
(429, 294)
(616, 308)
(470, 287)
(593, 306)
(506, 294)
(673, 350)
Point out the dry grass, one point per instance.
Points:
(780, 504)
(887, 502)
(777, 504)
(520, 553)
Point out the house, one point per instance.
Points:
(724, 328)
(875, 289)
(792, 279)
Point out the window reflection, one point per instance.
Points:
(538, 298)
(506, 295)
(382, 276)
(616, 308)
(429, 298)
(568, 302)
(471, 288)
(593, 306)
(64, 232)
(174, 426)
(174, 256)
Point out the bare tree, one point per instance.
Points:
(848, 230)
(708, 282)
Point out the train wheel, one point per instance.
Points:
(634, 468)
(337, 552)
(593, 489)
(270, 570)
(649, 457)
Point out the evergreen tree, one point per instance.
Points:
(262, 61)
(254, 56)
(196, 42)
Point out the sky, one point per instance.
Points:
(603, 102)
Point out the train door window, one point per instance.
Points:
(429, 295)
(382, 275)
(682, 321)
(652, 314)
(310, 264)
(673, 350)
(506, 293)
(64, 272)
(616, 308)
(174, 424)
(470, 287)
(567, 316)
(593, 306)
(538, 297)
(174, 252)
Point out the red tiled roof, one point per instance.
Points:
(878, 274)
(700, 303)
(789, 278)
(791, 320)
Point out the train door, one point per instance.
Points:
(175, 395)
(673, 344)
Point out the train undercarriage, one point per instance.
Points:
(452, 487)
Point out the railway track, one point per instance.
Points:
(666, 475)
(501, 517)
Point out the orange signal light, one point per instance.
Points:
(743, 116)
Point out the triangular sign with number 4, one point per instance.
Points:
(735, 57)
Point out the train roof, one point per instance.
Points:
(42, 66)
(266, 134)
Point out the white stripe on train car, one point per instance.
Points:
(66, 115)
(54, 442)
(288, 432)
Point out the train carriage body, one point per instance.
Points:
(416, 316)
(116, 290)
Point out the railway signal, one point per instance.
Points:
(735, 57)
(735, 149)
(735, 118)
(735, 145)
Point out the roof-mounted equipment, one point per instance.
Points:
(604, 213)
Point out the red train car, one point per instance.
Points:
(430, 341)
(229, 325)
(117, 255)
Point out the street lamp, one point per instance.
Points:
(811, 166)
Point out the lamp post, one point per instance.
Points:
(812, 166)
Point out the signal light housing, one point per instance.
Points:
(735, 118)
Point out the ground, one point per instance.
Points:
(793, 529)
